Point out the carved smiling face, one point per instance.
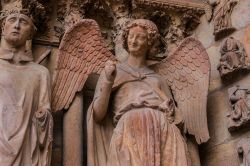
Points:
(137, 41)
(17, 28)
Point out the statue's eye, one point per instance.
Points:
(12, 20)
(130, 36)
(142, 37)
(24, 22)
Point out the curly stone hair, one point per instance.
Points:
(149, 26)
(5, 14)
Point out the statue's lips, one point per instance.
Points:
(133, 45)
(15, 33)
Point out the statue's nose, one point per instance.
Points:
(17, 24)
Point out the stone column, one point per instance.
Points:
(73, 133)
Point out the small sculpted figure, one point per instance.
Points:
(240, 104)
(243, 148)
(133, 118)
(26, 123)
(233, 56)
(222, 17)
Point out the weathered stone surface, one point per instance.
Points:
(214, 57)
(241, 15)
(217, 124)
(246, 41)
(224, 154)
(204, 32)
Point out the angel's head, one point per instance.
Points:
(141, 35)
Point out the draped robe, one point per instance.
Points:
(137, 130)
(25, 120)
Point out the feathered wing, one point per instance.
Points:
(187, 72)
(82, 51)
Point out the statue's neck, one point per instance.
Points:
(136, 61)
(18, 51)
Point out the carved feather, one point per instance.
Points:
(81, 52)
(187, 72)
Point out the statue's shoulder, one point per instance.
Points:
(121, 69)
(39, 69)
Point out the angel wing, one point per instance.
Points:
(81, 52)
(187, 72)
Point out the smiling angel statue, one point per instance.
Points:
(138, 112)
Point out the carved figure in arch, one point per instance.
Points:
(222, 18)
(243, 149)
(26, 122)
(240, 104)
(137, 94)
(233, 56)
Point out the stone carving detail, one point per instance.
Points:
(176, 18)
(151, 107)
(82, 46)
(222, 18)
(69, 12)
(233, 57)
(239, 115)
(26, 122)
(39, 10)
(243, 149)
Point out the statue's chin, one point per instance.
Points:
(15, 41)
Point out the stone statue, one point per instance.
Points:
(240, 104)
(136, 125)
(133, 118)
(233, 56)
(222, 18)
(26, 123)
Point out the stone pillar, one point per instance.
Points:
(193, 151)
(73, 133)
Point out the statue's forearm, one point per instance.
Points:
(101, 98)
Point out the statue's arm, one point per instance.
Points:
(103, 91)
(43, 118)
(178, 118)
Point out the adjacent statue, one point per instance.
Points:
(233, 56)
(136, 109)
(26, 122)
(239, 115)
(222, 18)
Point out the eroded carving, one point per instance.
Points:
(239, 115)
(69, 12)
(26, 122)
(176, 19)
(222, 18)
(243, 149)
(233, 57)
